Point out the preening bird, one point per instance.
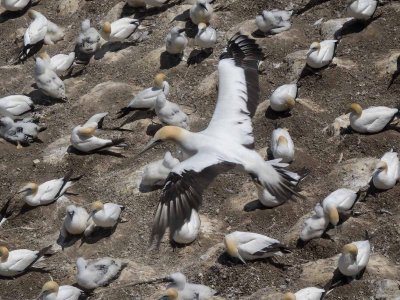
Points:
(226, 142)
(284, 97)
(35, 32)
(387, 171)
(58, 63)
(310, 293)
(19, 132)
(206, 36)
(201, 12)
(361, 9)
(273, 21)
(52, 291)
(176, 41)
(89, 39)
(170, 113)
(48, 81)
(315, 226)
(54, 33)
(282, 145)
(105, 215)
(14, 5)
(189, 230)
(372, 119)
(76, 222)
(155, 173)
(337, 202)
(47, 192)
(321, 54)
(119, 30)
(250, 246)
(15, 105)
(354, 258)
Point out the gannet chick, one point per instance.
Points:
(146, 99)
(372, 119)
(387, 171)
(97, 273)
(54, 33)
(52, 291)
(354, 258)
(35, 32)
(250, 246)
(60, 62)
(48, 81)
(106, 215)
(15, 105)
(136, 3)
(14, 5)
(155, 173)
(321, 54)
(76, 221)
(282, 145)
(19, 132)
(310, 293)
(338, 201)
(48, 192)
(274, 21)
(176, 41)
(361, 9)
(185, 290)
(283, 98)
(201, 12)
(16, 262)
(189, 231)
(315, 226)
(119, 30)
(206, 36)
(169, 113)
(89, 39)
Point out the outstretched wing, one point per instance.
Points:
(238, 91)
(183, 192)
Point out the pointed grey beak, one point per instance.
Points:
(181, 30)
(71, 214)
(149, 146)
(91, 215)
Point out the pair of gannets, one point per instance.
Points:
(321, 54)
(387, 171)
(89, 39)
(181, 289)
(176, 41)
(354, 258)
(155, 173)
(83, 139)
(47, 80)
(97, 273)
(169, 113)
(20, 132)
(315, 226)
(250, 246)
(15, 105)
(310, 293)
(19, 261)
(52, 291)
(119, 30)
(284, 97)
(361, 9)
(372, 119)
(273, 21)
(206, 36)
(105, 215)
(47, 192)
(58, 63)
(282, 145)
(201, 12)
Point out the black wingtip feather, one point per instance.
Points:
(241, 47)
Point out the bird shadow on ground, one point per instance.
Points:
(354, 26)
(168, 61)
(300, 244)
(197, 56)
(255, 205)
(9, 15)
(27, 208)
(152, 129)
(338, 279)
(226, 260)
(138, 115)
(149, 188)
(259, 34)
(141, 13)
(68, 241)
(183, 17)
(273, 115)
(98, 234)
(41, 99)
(176, 245)
(308, 6)
(30, 269)
(191, 29)
(72, 150)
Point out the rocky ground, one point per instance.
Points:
(361, 73)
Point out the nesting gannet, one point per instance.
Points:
(47, 192)
(250, 246)
(19, 132)
(176, 41)
(155, 173)
(146, 99)
(354, 258)
(180, 286)
(52, 291)
(201, 12)
(310, 293)
(5, 212)
(60, 62)
(48, 81)
(89, 39)
(361, 9)
(189, 230)
(283, 98)
(97, 273)
(35, 32)
(119, 30)
(282, 145)
(54, 33)
(105, 215)
(76, 221)
(169, 113)
(338, 201)
(387, 171)
(316, 225)
(274, 21)
(206, 36)
(371, 120)
(225, 143)
(14, 5)
(15, 105)
(321, 54)
(82, 137)
(136, 3)
(16, 262)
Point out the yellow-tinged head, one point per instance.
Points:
(3, 253)
(172, 294)
(87, 131)
(30, 188)
(159, 80)
(356, 108)
(350, 249)
(169, 133)
(50, 287)
(315, 46)
(202, 26)
(290, 102)
(333, 215)
(231, 248)
(44, 55)
(282, 140)
(289, 296)
(32, 13)
(382, 166)
(97, 205)
(107, 27)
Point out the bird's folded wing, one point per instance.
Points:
(261, 246)
(182, 192)
(238, 91)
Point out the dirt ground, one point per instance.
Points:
(108, 83)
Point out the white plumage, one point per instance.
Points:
(48, 81)
(354, 258)
(338, 201)
(361, 9)
(321, 54)
(119, 30)
(89, 39)
(189, 231)
(52, 291)
(274, 21)
(371, 120)
(387, 171)
(206, 36)
(60, 62)
(14, 5)
(186, 290)
(36, 31)
(97, 273)
(201, 12)
(310, 293)
(169, 113)
(54, 33)
(19, 132)
(76, 221)
(316, 225)
(155, 173)
(283, 98)
(176, 41)
(106, 215)
(15, 105)
(282, 145)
